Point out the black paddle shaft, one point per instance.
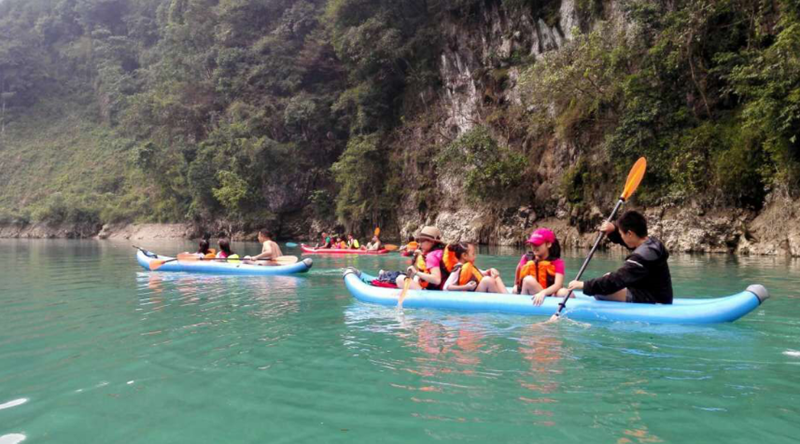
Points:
(591, 253)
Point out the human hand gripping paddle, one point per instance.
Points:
(631, 184)
(190, 257)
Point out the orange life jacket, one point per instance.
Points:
(468, 272)
(543, 271)
(449, 260)
(419, 264)
(446, 266)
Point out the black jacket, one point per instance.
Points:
(645, 274)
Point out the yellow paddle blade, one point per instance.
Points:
(155, 265)
(634, 178)
(390, 247)
(285, 260)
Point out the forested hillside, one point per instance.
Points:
(299, 114)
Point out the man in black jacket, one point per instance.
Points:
(645, 275)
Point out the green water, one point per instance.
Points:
(95, 349)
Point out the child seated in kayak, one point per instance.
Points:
(340, 243)
(645, 276)
(352, 242)
(225, 251)
(465, 276)
(269, 250)
(427, 271)
(375, 244)
(540, 271)
(203, 250)
(409, 248)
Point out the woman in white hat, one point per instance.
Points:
(428, 270)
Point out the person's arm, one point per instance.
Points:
(434, 277)
(492, 272)
(265, 255)
(557, 285)
(538, 298)
(469, 286)
(631, 272)
(516, 279)
(452, 283)
(612, 233)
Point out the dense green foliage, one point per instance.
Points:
(227, 102)
(491, 170)
(247, 110)
(708, 91)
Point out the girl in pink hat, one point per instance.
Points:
(541, 270)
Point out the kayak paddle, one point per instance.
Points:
(406, 285)
(291, 244)
(390, 247)
(631, 184)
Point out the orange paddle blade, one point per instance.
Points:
(155, 265)
(188, 257)
(390, 247)
(377, 231)
(634, 178)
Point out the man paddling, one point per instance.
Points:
(644, 278)
(269, 250)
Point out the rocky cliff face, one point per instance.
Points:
(473, 51)
(479, 81)
(476, 56)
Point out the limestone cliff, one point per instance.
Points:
(474, 54)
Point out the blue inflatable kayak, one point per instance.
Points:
(682, 311)
(221, 267)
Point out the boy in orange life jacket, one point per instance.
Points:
(465, 276)
(540, 271)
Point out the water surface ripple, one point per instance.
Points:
(95, 349)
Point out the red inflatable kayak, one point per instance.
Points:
(309, 250)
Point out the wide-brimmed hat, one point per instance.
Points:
(430, 234)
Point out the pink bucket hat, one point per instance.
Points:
(542, 236)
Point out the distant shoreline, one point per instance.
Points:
(569, 236)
